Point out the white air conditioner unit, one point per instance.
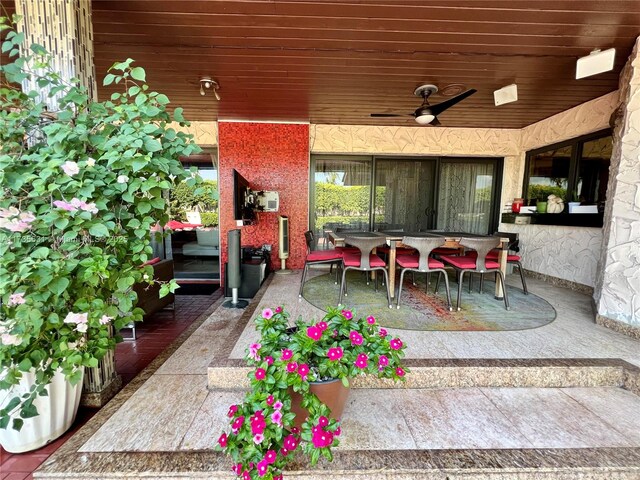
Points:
(283, 243)
(268, 201)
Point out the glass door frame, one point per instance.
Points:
(496, 193)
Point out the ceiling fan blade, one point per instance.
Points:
(392, 114)
(435, 123)
(442, 106)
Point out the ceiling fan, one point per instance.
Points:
(427, 114)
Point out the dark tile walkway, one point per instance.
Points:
(153, 336)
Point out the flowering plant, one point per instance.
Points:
(264, 432)
(82, 183)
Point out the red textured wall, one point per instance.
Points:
(270, 156)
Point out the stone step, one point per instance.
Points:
(456, 373)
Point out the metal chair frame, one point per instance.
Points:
(482, 246)
(424, 246)
(309, 238)
(366, 246)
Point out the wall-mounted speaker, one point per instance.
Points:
(283, 243)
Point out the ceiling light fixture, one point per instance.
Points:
(596, 62)
(506, 94)
(206, 83)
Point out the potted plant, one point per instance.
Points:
(81, 187)
(265, 429)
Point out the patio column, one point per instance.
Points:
(618, 283)
(64, 29)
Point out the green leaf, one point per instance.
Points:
(345, 381)
(61, 223)
(59, 285)
(17, 424)
(108, 79)
(162, 99)
(138, 73)
(177, 114)
(152, 145)
(144, 207)
(25, 365)
(99, 230)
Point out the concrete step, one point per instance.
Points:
(456, 373)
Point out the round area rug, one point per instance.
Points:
(422, 310)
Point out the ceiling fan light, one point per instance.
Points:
(425, 118)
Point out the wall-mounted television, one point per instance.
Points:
(243, 200)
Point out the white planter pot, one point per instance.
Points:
(57, 411)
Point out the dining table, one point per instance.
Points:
(394, 240)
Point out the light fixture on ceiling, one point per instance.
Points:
(596, 62)
(206, 83)
(506, 94)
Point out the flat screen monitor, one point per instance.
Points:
(242, 208)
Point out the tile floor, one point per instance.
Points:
(154, 336)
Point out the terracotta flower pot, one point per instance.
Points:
(331, 392)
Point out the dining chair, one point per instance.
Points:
(364, 261)
(513, 259)
(319, 257)
(476, 262)
(422, 262)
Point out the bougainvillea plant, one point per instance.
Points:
(262, 437)
(81, 186)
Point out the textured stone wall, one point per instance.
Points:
(205, 134)
(618, 288)
(566, 253)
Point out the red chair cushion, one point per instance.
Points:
(493, 255)
(324, 256)
(468, 262)
(412, 261)
(353, 260)
(153, 261)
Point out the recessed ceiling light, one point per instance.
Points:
(506, 94)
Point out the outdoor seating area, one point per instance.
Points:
(371, 239)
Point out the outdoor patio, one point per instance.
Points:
(552, 402)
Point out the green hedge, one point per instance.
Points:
(184, 198)
(541, 192)
(209, 219)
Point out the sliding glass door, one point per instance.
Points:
(466, 195)
(404, 194)
(409, 194)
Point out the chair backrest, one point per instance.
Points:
(424, 245)
(365, 245)
(309, 238)
(514, 242)
(482, 245)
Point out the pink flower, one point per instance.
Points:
(396, 344)
(383, 332)
(237, 424)
(82, 327)
(371, 319)
(232, 411)
(400, 372)
(104, 320)
(303, 370)
(262, 467)
(267, 313)
(246, 475)
(258, 438)
(222, 441)
(75, 318)
(334, 354)
(64, 206)
(337, 432)
(16, 299)
(122, 179)
(286, 354)
(383, 361)
(322, 326)
(347, 314)
(295, 430)
(257, 428)
(284, 452)
(314, 333)
(270, 400)
(70, 168)
(260, 374)
(278, 405)
(323, 421)
(8, 339)
(322, 439)
(270, 456)
(237, 469)
(269, 360)
(253, 351)
(278, 309)
(292, 367)
(278, 477)
(276, 417)
(356, 338)
(290, 443)
(361, 361)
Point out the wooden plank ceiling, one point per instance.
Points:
(339, 61)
